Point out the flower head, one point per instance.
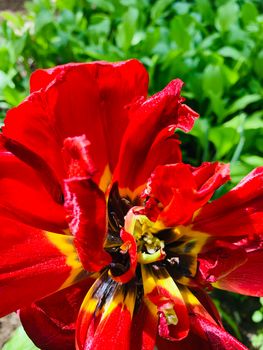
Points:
(109, 239)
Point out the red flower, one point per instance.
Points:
(84, 251)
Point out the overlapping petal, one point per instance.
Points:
(105, 316)
(153, 120)
(76, 99)
(23, 196)
(51, 321)
(179, 190)
(85, 204)
(36, 263)
(237, 213)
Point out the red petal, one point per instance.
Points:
(148, 119)
(129, 246)
(86, 207)
(34, 264)
(220, 261)
(81, 99)
(181, 190)
(50, 322)
(24, 197)
(237, 213)
(246, 279)
(161, 290)
(216, 337)
(144, 327)
(105, 317)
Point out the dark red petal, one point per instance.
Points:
(144, 327)
(34, 264)
(87, 99)
(51, 322)
(185, 344)
(181, 190)
(148, 119)
(105, 316)
(237, 213)
(247, 278)
(23, 196)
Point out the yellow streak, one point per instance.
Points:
(65, 245)
(105, 179)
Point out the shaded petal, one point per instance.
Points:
(184, 344)
(51, 321)
(77, 99)
(160, 114)
(216, 337)
(86, 208)
(23, 196)
(220, 261)
(246, 279)
(105, 316)
(129, 246)
(179, 190)
(35, 263)
(161, 290)
(237, 213)
(203, 325)
(144, 327)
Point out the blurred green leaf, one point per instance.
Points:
(19, 341)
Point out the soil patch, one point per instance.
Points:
(13, 5)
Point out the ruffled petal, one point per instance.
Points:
(179, 190)
(246, 279)
(76, 99)
(161, 290)
(51, 321)
(237, 213)
(34, 264)
(144, 327)
(23, 196)
(159, 115)
(105, 317)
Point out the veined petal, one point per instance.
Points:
(35, 263)
(246, 279)
(51, 321)
(23, 196)
(161, 290)
(144, 326)
(237, 213)
(73, 100)
(219, 261)
(105, 316)
(147, 119)
(179, 190)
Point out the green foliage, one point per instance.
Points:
(19, 341)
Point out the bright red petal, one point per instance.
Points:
(180, 190)
(105, 316)
(51, 322)
(89, 99)
(144, 327)
(23, 196)
(237, 213)
(246, 279)
(34, 264)
(216, 337)
(161, 290)
(159, 115)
